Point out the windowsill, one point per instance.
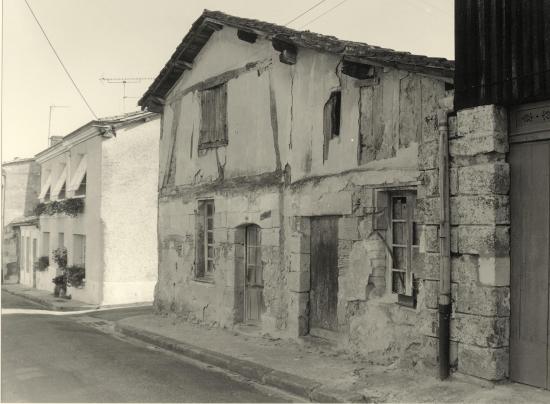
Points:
(207, 281)
(406, 301)
(212, 145)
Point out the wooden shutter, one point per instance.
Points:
(213, 131)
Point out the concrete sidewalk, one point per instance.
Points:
(313, 370)
(47, 299)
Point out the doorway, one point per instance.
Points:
(323, 320)
(530, 246)
(254, 282)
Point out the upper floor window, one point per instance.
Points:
(213, 128)
(331, 119)
(60, 185)
(78, 180)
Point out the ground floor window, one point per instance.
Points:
(79, 249)
(204, 254)
(404, 242)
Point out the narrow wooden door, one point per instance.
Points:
(254, 282)
(324, 273)
(530, 246)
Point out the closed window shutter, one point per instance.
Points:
(213, 117)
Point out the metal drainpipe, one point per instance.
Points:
(444, 248)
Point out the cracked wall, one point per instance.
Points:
(275, 120)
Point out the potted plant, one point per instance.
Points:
(43, 263)
(76, 275)
(60, 281)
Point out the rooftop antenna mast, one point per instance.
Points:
(52, 107)
(124, 81)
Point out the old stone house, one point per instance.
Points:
(98, 201)
(20, 188)
(299, 194)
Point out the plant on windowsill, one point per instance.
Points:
(76, 275)
(70, 207)
(43, 263)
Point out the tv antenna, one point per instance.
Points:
(124, 81)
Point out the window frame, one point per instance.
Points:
(204, 138)
(204, 251)
(408, 297)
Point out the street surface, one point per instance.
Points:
(68, 358)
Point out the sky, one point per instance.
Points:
(135, 38)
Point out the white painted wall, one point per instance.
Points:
(87, 223)
(129, 184)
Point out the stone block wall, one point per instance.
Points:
(480, 244)
(220, 300)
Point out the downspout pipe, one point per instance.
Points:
(444, 300)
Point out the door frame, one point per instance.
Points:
(528, 124)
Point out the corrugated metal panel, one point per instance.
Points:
(502, 50)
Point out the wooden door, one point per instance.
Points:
(530, 229)
(324, 273)
(254, 282)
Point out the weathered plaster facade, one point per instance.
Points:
(115, 234)
(274, 173)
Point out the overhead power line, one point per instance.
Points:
(60, 61)
(305, 12)
(323, 14)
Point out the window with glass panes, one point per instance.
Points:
(205, 240)
(404, 242)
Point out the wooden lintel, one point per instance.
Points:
(367, 82)
(247, 36)
(219, 79)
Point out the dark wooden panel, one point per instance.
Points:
(324, 273)
(530, 196)
(254, 303)
(502, 52)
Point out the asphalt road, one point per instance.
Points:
(49, 358)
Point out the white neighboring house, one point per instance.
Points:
(99, 200)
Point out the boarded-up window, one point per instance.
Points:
(213, 131)
(204, 262)
(331, 120)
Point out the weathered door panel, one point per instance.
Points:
(530, 231)
(324, 273)
(254, 283)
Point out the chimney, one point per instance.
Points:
(55, 140)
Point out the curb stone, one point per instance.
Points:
(297, 385)
(48, 304)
